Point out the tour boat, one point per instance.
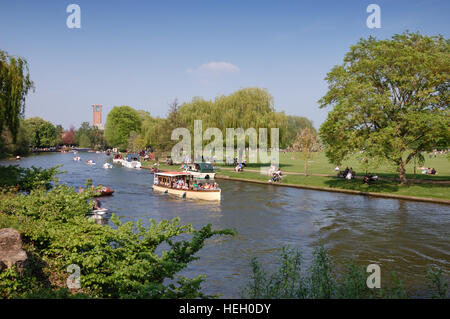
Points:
(132, 161)
(201, 170)
(184, 185)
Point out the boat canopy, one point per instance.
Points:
(173, 174)
(202, 167)
(132, 157)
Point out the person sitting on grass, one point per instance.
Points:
(433, 172)
(366, 180)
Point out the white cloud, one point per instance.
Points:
(215, 68)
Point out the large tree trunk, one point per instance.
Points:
(402, 172)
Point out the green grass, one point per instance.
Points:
(293, 162)
(428, 190)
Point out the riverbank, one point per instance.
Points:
(432, 191)
(328, 189)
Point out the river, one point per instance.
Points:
(401, 236)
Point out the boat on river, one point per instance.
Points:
(104, 191)
(185, 185)
(118, 159)
(132, 161)
(201, 170)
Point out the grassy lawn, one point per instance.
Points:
(428, 190)
(293, 162)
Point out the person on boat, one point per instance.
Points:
(97, 204)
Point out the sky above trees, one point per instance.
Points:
(147, 53)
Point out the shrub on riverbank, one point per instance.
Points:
(324, 280)
(115, 261)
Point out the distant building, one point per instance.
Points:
(97, 120)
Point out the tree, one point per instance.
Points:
(84, 141)
(307, 143)
(68, 137)
(121, 121)
(294, 125)
(390, 100)
(42, 133)
(15, 83)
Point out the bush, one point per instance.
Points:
(118, 261)
(323, 280)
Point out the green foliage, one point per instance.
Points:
(15, 83)
(121, 121)
(84, 141)
(438, 283)
(118, 261)
(294, 125)
(323, 280)
(21, 146)
(42, 133)
(28, 178)
(88, 136)
(390, 100)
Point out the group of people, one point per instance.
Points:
(370, 178)
(348, 173)
(427, 170)
(181, 184)
(275, 173)
(239, 167)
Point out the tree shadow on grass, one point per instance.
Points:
(357, 185)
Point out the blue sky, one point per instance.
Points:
(147, 53)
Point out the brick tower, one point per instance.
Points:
(97, 112)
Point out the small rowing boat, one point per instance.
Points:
(104, 191)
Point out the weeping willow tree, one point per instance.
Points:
(15, 83)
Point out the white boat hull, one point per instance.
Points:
(133, 164)
(210, 195)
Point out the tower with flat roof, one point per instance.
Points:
(97, 113)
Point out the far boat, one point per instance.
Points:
(90, 162)
(201, 170)
(76, 158)
(107, 165)
(184, 184)
(104, 191)
(118, 159)
(132, 161)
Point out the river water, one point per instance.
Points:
(401, 236)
